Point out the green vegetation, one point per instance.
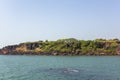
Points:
(69, 46)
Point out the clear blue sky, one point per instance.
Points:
(32, 20)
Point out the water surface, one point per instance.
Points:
(59, 67)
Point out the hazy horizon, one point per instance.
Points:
(33, 20)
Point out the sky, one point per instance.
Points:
(34, 20)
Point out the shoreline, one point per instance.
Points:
(54, 55)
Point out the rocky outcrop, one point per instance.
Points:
(118, 50)
(64, 47)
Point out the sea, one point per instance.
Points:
(34, 67)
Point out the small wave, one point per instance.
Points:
(71, 71)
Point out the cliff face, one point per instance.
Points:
(65, 47)
(23, 48)
(8, 49)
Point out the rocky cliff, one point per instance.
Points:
(69, 46)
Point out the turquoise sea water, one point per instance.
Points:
(59, 67)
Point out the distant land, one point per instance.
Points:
(69, 46)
